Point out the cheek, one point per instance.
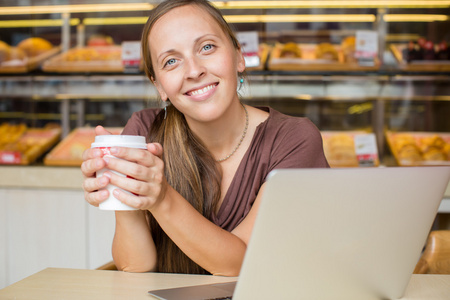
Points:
(170, 84)
(227, 67)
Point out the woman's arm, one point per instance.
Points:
(133, 248)
(132, 236)
(216, 250)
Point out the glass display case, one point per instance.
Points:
(372, 66)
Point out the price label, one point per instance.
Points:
(366, 48)
(366, 149)
(9, 157)
(366, 44)
(131, 55)
(249, 41)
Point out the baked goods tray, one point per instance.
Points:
(27, 64)
(69, 151)
(418, 65)
(32, 144)
(87, 59)
(419, 148)
(310, 62)
(345, 149)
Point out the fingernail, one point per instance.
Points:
(98, 153)
(107, 174)
(116, 193)
(104, 179)
(104, 193)
(106, 159)
(114, 150)
(98, 163)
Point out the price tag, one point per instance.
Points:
(366, 47)
(131, 56)
(366, 149)
(10, 157)
(249, 41)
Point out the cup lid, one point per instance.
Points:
(131, 141)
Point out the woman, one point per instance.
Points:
(200, 181)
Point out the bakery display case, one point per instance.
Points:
(376, 67)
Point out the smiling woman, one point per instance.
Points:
(198, 185)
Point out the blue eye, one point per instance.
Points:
(171, 61)
(208, 47)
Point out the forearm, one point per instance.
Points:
(133, 248)
(213, 248)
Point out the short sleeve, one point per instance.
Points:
(140, 122)
(297, 144)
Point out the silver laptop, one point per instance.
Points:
(352, 233)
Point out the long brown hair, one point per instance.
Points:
(189, 167)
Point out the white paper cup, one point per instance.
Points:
(105, 142)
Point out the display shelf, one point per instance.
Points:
(338, 95)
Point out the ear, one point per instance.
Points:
(160, 89)
(240, 61)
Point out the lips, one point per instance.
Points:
(202, 90)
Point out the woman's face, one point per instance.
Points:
(195, 63)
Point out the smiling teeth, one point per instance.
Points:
(202, 91)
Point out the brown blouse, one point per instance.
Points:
(280, 142)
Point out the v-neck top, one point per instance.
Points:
(280, 142)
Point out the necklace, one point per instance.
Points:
(242, 137)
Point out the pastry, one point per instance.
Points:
(341, 147)
(406, 148)
(34, 46)
(326, 51)
(290, 50)
(348, 46)
(5, 51)
(434, 154)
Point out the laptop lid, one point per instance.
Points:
(334, 234)
(340, 233)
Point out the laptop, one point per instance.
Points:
(353, 233)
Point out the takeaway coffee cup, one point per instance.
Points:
(104, 143)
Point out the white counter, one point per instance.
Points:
(45, 222)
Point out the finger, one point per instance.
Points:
(94, 184)
(95, 198)
(127, 199)
(143, 171)
(90, 166)
(91, 153)
(140, 156)
(100, 130)
(132, 185)
(155, 149)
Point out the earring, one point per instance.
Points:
(165, 112)
(241, 82)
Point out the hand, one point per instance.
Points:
(93, 162)
(145, 175)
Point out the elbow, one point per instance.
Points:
(227, 274)
(229, 270)
(135, 269)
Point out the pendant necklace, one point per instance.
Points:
(242, 137)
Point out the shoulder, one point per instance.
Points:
(291, 142)
(141, 121)
(282, 126)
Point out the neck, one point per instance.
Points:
(221, 136)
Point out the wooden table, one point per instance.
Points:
(78, 284)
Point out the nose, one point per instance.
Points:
(194, 68)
